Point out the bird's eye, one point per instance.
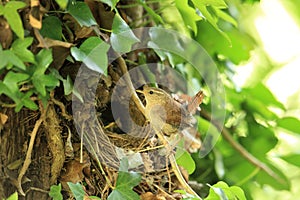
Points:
(151, 92)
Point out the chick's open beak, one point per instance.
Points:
(140, 91)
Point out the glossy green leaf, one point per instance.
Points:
(3, 88)
(19, 48)
(222, 191)
(212, 19)
(262, 93)
(238, 192)
(257, 106)
(7, 58)
(93, 53)
(27, 102)
(161, 39)
(11, 89)
(51, 28)
(236, 51)
(68, 85)
(111, 3)
(174, 59)
(289, 123)
(184, 159)
(43, 59)
(77, 190)
(293, 159)
(82, 13)
(225, 16)
(12, 79)
(125, 182)
(188, 14)
(14, 196)
(13, 18)
(55, 192)
(41, 82)
(122, 37)
(62, 3)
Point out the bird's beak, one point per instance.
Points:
(140, 91)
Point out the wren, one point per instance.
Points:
(167, 114)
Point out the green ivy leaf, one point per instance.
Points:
(289, 123)
(222, 191)
(68, 85)
(51, 28)
(226, 17)
(262, 93)
(27, 102)
(122, 37)
(82, 13)
(11, 89)
(239, 51)
(55, 192)
(12, 79)
(42, 81)
(211, 18)
(13, 18)
(14, 196)
(3, 88)
(19, 48)
(161, 40)
(184, 159)
(125, 182)
(188, 14)
(257, 106)
(111, 3)
(62, 3)
(43, 59)
(7, 58)
(293, 159)
(77, 190)
(93, 53)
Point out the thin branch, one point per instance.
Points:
(135, 97)
(239, 148)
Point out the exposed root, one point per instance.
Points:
(61, 106)
(27, 160)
